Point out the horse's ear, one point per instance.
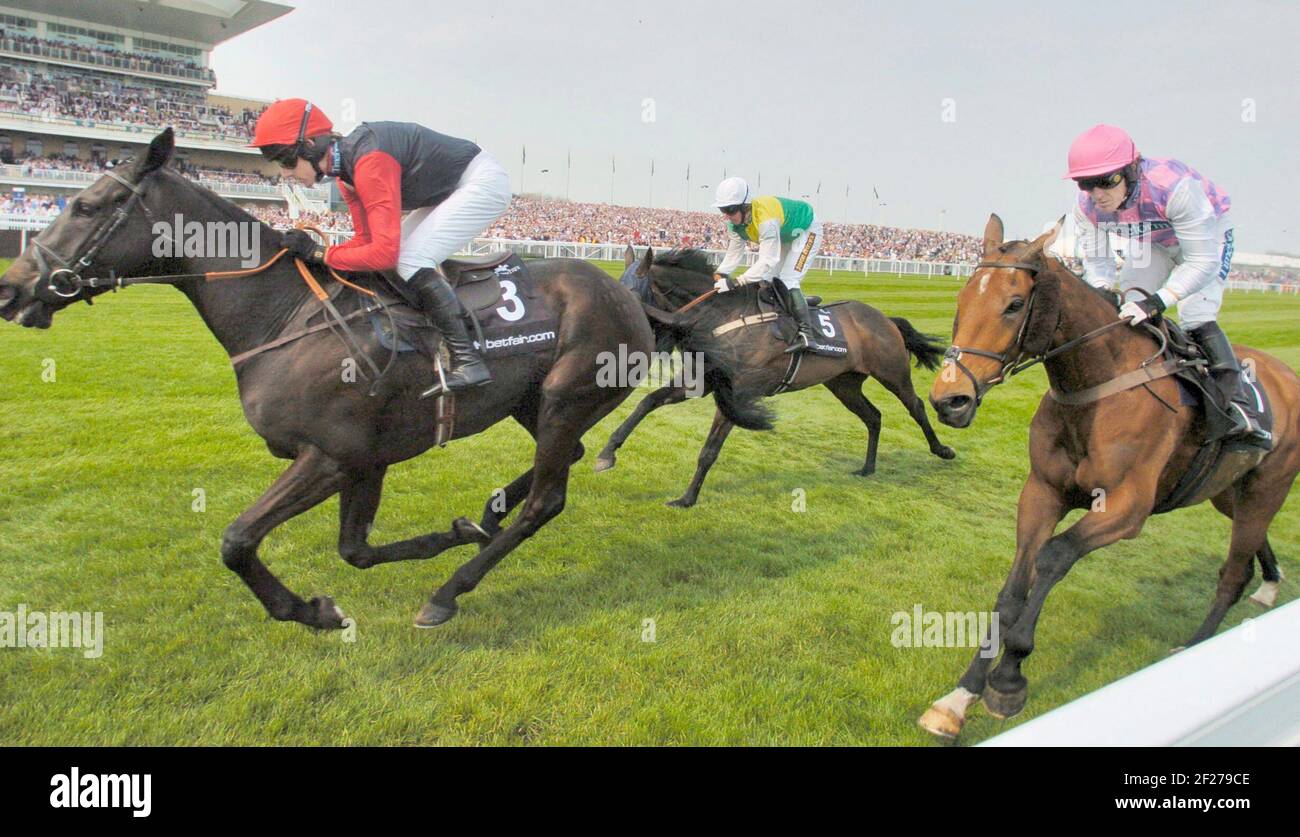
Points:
(647, 262)
(1039, 245)
(629, 256)
(1044, 315)
(159, 153)
(992, 235)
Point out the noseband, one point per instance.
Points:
(65, 282)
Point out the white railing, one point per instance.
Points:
(137, 65)
(225, 140)
(614, 252)
(72, 177)
(1240, 688)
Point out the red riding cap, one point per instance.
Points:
(289, 121)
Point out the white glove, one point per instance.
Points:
(1134, 313)
(720, 283)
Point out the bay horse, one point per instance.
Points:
(340, 437)
(1130, 441)
(746, 363)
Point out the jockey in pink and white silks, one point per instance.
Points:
(1179, 249)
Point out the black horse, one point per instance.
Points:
(340, 436)
(746, 362)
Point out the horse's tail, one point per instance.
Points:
(927, 349)
(743, 410)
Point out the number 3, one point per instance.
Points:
(516, 309)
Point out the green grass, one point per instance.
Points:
(773, 627)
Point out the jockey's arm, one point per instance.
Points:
(735, 252)
(1094, 249)
(1197, 228)
(769, 254)
(378, 179)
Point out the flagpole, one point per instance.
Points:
(568, 171)
(523, 160)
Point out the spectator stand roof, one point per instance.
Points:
(209, 22)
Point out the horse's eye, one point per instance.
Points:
(1016, 305)
(83, 209)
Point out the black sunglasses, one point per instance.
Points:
(730, 210)
(1105, 181)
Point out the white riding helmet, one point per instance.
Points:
(733, 191)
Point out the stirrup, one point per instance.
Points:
(801, 344)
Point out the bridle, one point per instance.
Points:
(1013, 361)
(65, 282)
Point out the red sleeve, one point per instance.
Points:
(378, 180)
(360, 228)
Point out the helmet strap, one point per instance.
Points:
(1132, 181)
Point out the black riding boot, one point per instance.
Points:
(439, 301)
(806, 339)
(1228, 377)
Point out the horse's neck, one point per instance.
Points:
(1101, 358)
(242, 312)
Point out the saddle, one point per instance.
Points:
(1219, 462)
(475, 279)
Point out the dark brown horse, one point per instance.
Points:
(748, 362)
(1134, 444)
(340, 436)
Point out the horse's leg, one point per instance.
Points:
(358, 503)
(1127, 508)
(708, 455)
(848, 389)
(901, 386)
(1266, 595)
(1040, 509)
(312, 478)
(559, 429)
(659, 398)
(1253, 510)
(502, 501)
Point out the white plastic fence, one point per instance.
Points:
(1240, 688)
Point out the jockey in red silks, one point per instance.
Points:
(452, 189)
(1179, 249)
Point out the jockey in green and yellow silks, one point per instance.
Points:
(787, 233)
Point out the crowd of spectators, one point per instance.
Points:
(47, 90)
(101, 54)
(550, 219)
(1267, 275)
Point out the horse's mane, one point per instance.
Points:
(695, 265)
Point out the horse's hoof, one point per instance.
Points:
(327, 614)
(1266, 595)
(432, 615)
(680, 503)
(945, 452)
(1004, 705)
(469, 532)
(940, 721)
(604, 464)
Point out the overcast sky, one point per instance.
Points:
(951, 110)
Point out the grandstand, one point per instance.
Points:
(85, 84)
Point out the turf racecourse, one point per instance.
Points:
(771, 626)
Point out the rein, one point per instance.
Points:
(67, 283)
(1012, 360)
